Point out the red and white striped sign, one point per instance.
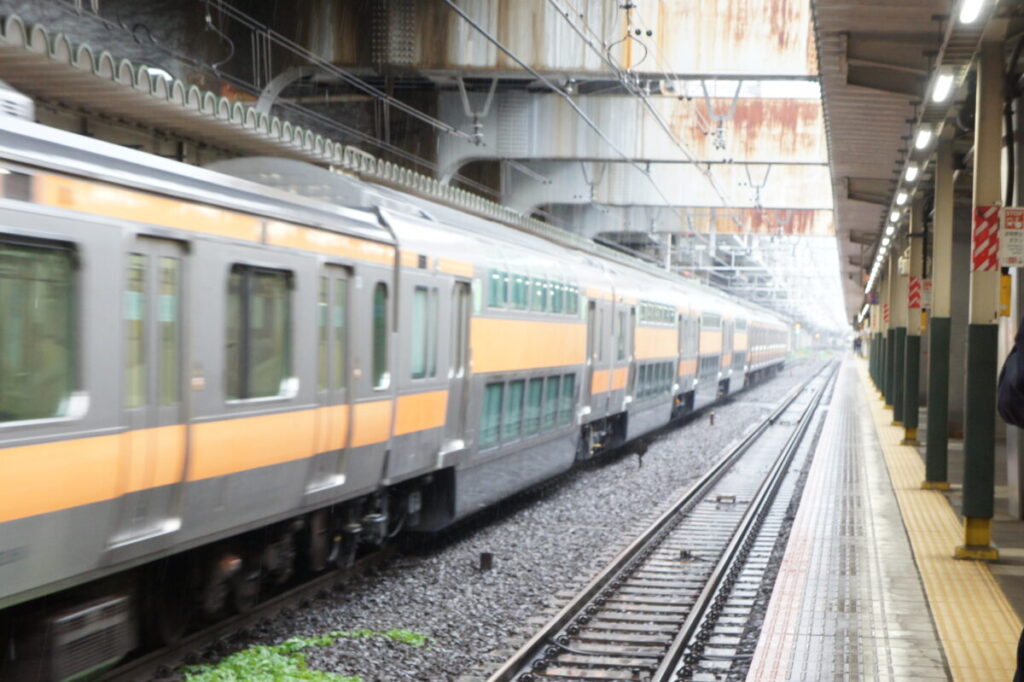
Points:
(885, 312)
(914, 292)
(985, 239)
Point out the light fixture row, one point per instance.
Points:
(942, 88)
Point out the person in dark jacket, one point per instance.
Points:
(1010, 401)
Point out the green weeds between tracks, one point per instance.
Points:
(285, 661)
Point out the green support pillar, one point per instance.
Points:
(912, 301)
(899, 349)
(982, 331)
(890, 369)
(936, 455)
(936, 474)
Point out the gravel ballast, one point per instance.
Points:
(542, 543)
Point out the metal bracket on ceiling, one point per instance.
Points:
(720, 119)
(478, 126)
(598, 176)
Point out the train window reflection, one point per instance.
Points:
(36, 344)
(534, 397)
(134, 312)
(490, 416)
(170, 284)
(551, 402)
(381, 377)
(513, 410)
(258, 332)
(423, 332)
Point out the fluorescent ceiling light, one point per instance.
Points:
(894, 217)
(943, 86)
(912, 171)
(970, 10)
(901, 198)
(889, 230)
(886, 240)
(924, 136)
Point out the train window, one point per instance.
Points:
(497, 295)
(642, 382)
(135, 337)
(170, 375)
(259, 330)
(36, 334)
(557, 297)
(620, 338)
(711, 321)
(512, 421)
(568, 393)
(323, 331)
(538, 295)
(340, 333)
(381, 376)
(490, 415)
(520, 291)
(424, 332)
(550, 402)
(534, 398)
(573, 302)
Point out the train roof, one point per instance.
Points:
(34, 144)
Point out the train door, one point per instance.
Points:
(458, 372)
(332, 422)
(153, 314)
(592, 334)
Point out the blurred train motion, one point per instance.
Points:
(215, 380)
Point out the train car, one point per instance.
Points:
(210, 384)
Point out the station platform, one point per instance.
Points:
(868, 587)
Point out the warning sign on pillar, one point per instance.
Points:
(1011, 238)
(914, 292)
(985, 239)
(926, 293)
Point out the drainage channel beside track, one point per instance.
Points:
(674, 602)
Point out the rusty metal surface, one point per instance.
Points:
(749, 37)
(544, 126)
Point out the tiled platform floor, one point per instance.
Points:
(868, 588)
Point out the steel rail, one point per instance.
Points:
(732, 559)
(523, 658)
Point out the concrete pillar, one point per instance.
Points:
(982, 329)
(899, 321)
(912, 352)
(936, 472)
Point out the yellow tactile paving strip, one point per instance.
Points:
(977, 625)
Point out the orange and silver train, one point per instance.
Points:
(212, 380)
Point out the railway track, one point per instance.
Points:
(664, 606)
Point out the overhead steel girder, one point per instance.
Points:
(430, 37)
(594, 219)
(522, 125)
(775, 186)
